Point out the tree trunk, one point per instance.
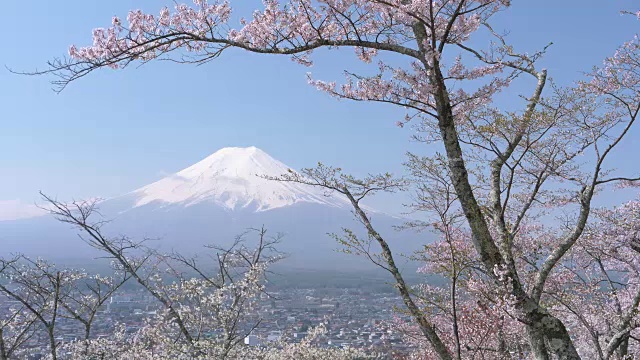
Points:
(547, 335)
(3, 350)
(623, 349)
(87, 334)
(555, 338)
(52, 344)
(503, 352)
(454, 312)
(536, 341)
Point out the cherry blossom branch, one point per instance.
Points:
(115, 249)
(623, 179)
(586, 195)
(355, 190)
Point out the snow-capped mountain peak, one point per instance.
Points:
(232, 177)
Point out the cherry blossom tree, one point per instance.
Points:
(601, 290)
(151, 343)
(208, 303)
(510, 171)
(191, 306)
(17, 326)
(38, 290)
(44, 294)
(333, 179)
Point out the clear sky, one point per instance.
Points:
(115, 131)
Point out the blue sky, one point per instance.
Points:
(115, 131)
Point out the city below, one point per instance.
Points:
(352, 317)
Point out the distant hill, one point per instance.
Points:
(212, 201)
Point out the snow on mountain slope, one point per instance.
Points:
(231, 178)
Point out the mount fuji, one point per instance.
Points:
(211, 202)
(233, 178)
